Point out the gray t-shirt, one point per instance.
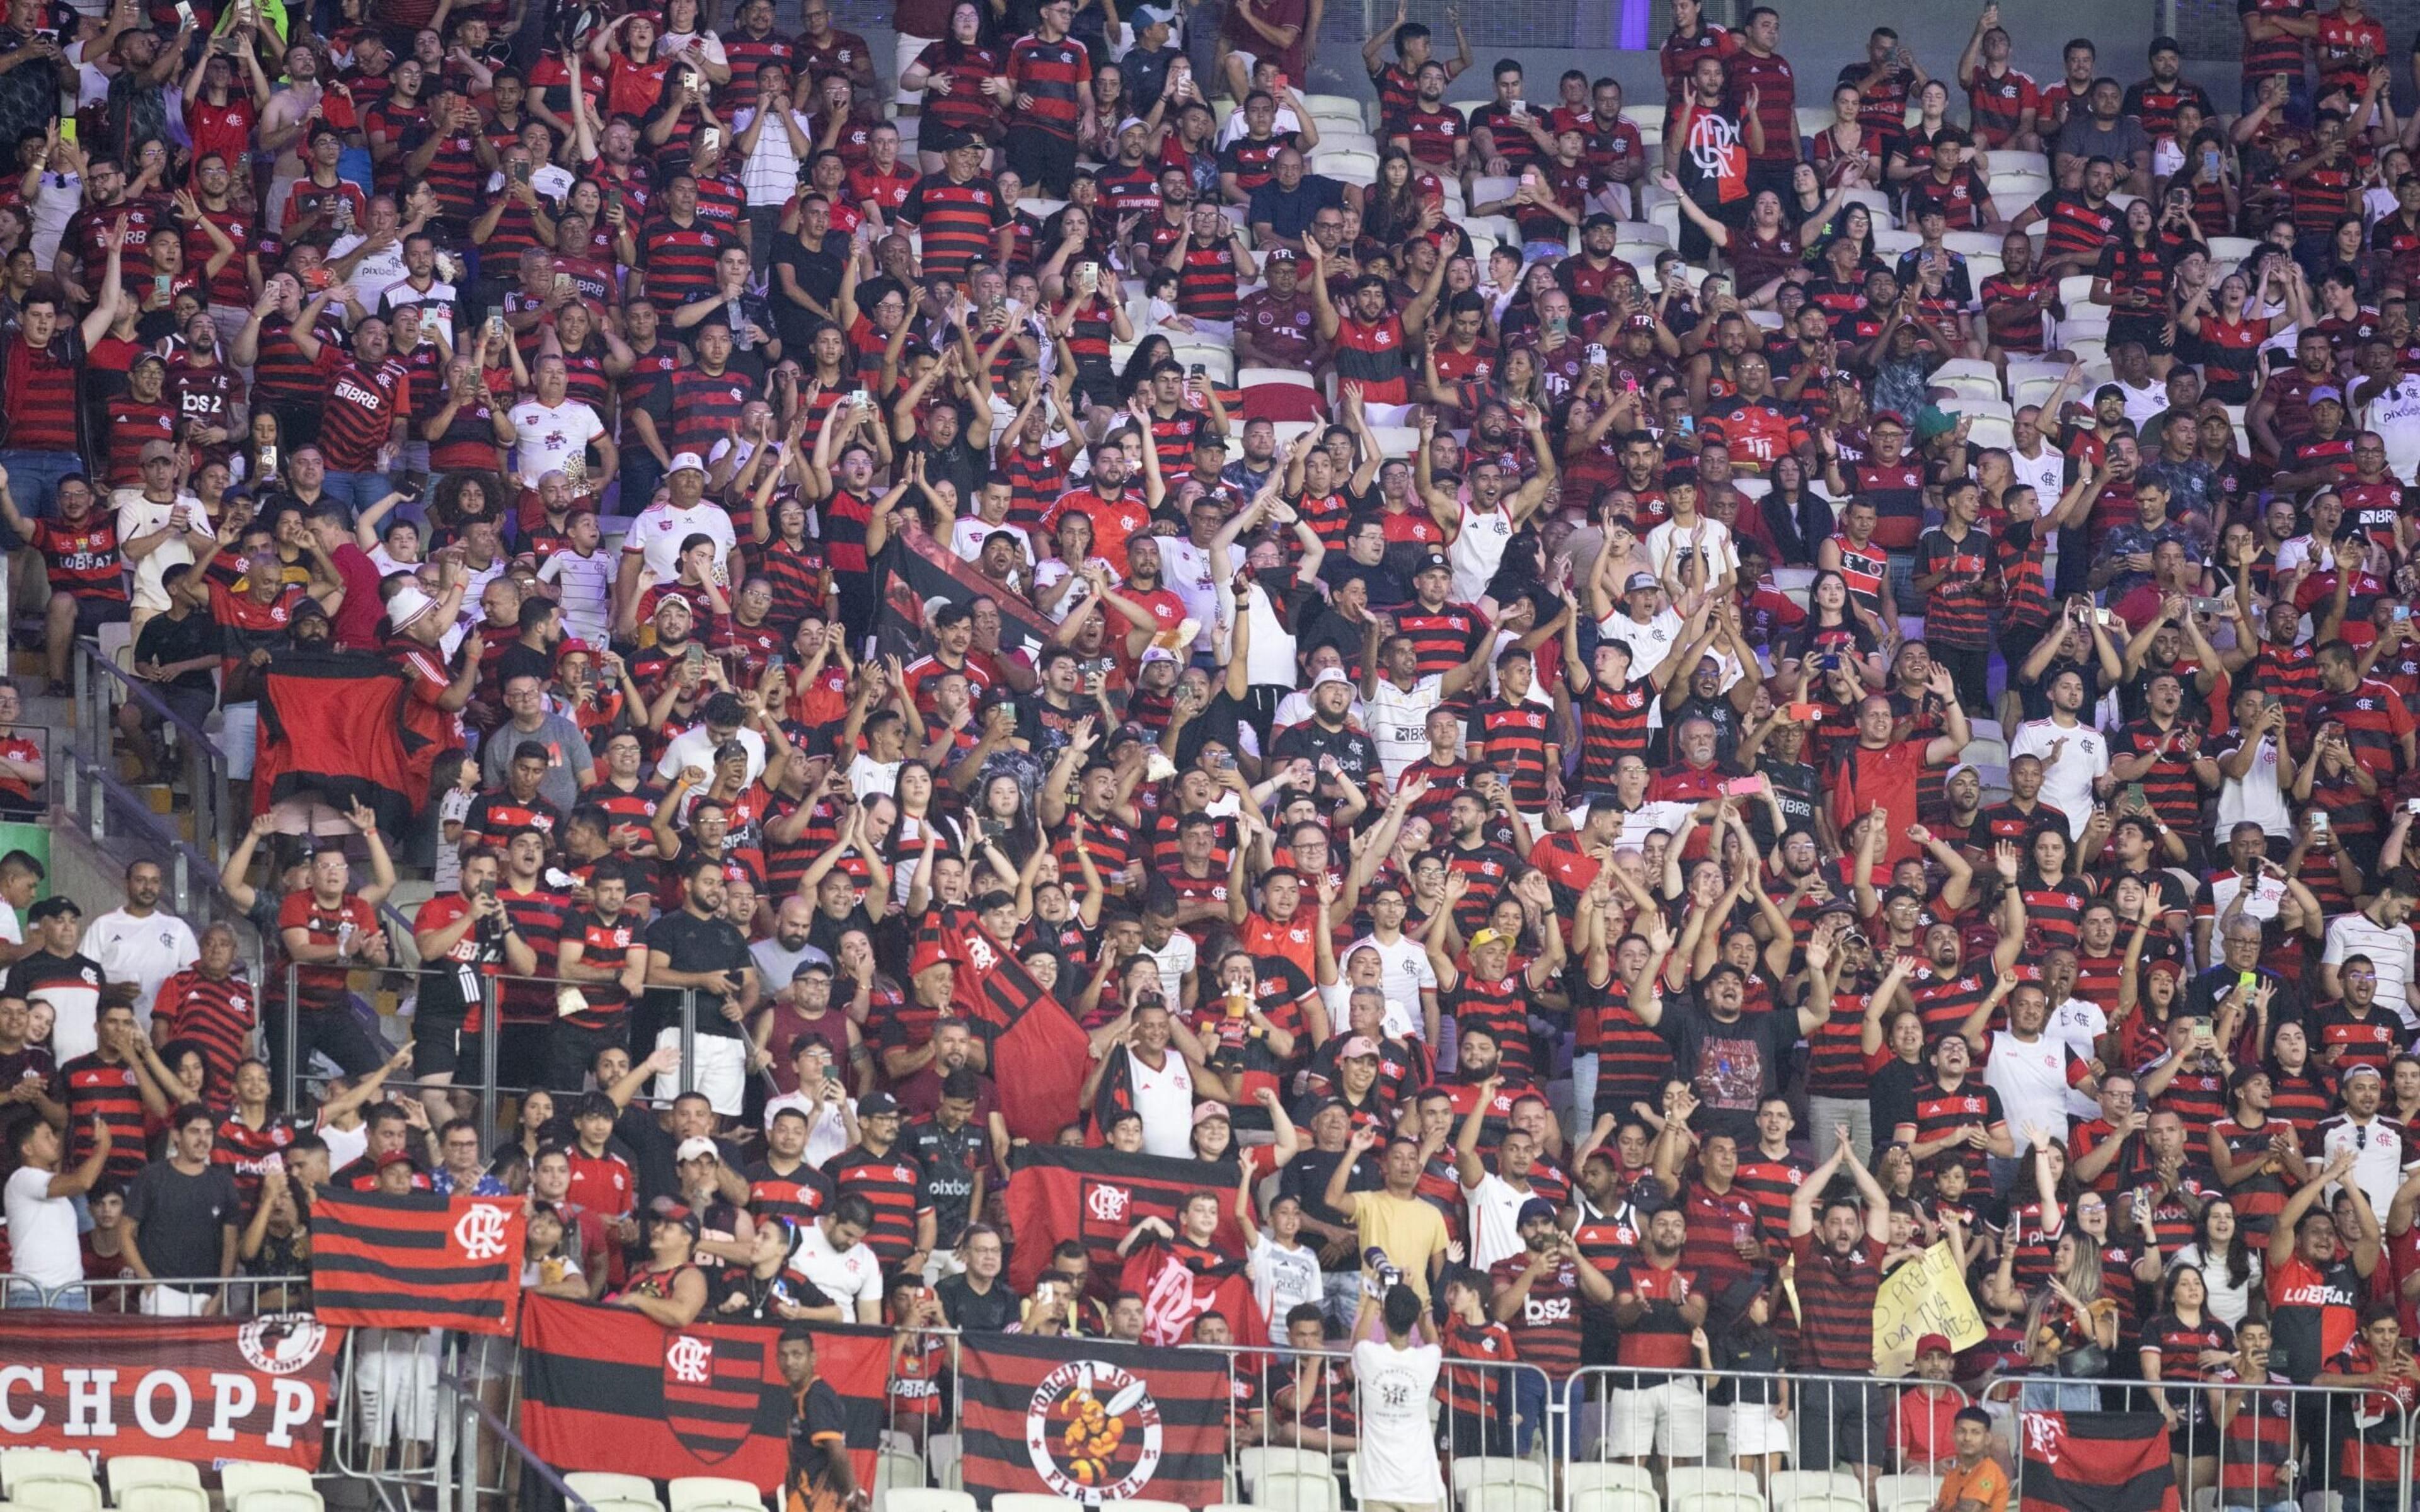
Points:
(180, 1217)
(2084, 137)
(567, 756)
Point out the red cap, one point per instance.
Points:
(1930, 1342)
(930, 953)
(392, 1157)
(574, 646)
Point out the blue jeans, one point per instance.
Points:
(71, 1299)
(357, 491)
(34, 481)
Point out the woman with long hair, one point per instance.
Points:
(2133, 281)
(963, 78)
(1831, 629)
(2230, 1266)
(2071, 1327)
(1392, 206)
(2181, 1344)
(2224, 334)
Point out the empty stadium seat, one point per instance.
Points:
(1900, 1493)
(1967, 376)
(1789, 1488)
(1142, 1504)
(1352, 165)
(2075, 289)
(1890, 242)
(1481, 1469)
(1692, 1480)
(1034, 1502)
(55, 1496)
(1750, 1500)
(1286, 1492)
(2226, 251)
(160, 1496)
(712, 1493)
(1972, 242)
(278, 1486)
(900, 1467)
(1246, 378)
(1255, 1461)
(925, 1500)
(19, 1466)
(2009, 160)
(127, 1471)
(1613, 1499)
(608, 1492)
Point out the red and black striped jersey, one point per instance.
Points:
(896, 1187)
(798, 1195)
(107, 1090)
(244, 1150)
(217, 1016)
(1054, 76)
(81, 560)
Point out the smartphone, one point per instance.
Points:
(1742, 787)
(411, 483)
(2204, 1037)
(269, 462)
(2207, 606)
(1828, 661)
(496, 324)
(2402, 612)
(1196, 371)
(565, 286)
(1803, 713)
(520, 172)
(185, 12)
(2134, 794)
(68, 130)
(774, 663)
(318, 279)
(1280, 82)
(160, 286)
(614, 198)
(694, 656)
(2319, 820)
(1595, 355)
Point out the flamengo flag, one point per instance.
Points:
(2096, 1462)
(1039, 1052)
(1062, 1192)
(1175, 1295)
(918, 573)
(331, 727)
(608, 1388)
(197, 1389)
(1092, 1420)
(418, 1261)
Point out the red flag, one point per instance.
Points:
(1092, 1420)
(331, 727)
(1039, 1052)
(1062, 1192)
(418, 1261)
(1175, 1294)
(2096, 1462)
(607, 1388)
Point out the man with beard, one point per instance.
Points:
(696, 957)
(1500, 1202)
(1538, 1292)
(1955, 1119)
(1479, 1087)
(1658, 1303)
(1734, 1060)
(1344, 755)
(598, 954)
(366, 411)
(1277, 326)
(141, 943)
(1167, 1073)
(1838, 1260)
(464, 941)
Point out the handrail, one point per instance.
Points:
(467, 1394)
(206, 778)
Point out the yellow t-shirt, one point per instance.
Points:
(1409, 1229)
(1986, 1486)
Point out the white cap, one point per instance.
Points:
(685, 462)
(1330, 674)
(698, 1146)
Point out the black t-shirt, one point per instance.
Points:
(950, 1159)
(1306, 1181)
(179, 1218)
(990, 1312)
(694, 944)
(818, 271)
(1733, 1066)
(167, 640)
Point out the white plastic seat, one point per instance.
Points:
(1345, 140)
(18, 1465)
(281, 1499)
(1890, 242)
(1143, 1504)
(2119, 202)
(1396, 441)
(1034, 1502)
(920, 1499)
(2226, 251)
(1352, 165)
(1499, 1496)
(160, 1496)
(2075, 289)
(39, 1495)
(901, 1468)
(2009, 160)
(1989, 431)
(1290, 1492)
(1690, 1480)
(2092, 351)
(1288, 429)
(1255, 1461)
(2023, 188)
(1641, 231)
(1972, 242)
(238, 1479)
(1791, 1485)
(1613, 1499)
(1332, 104)
(1491, 228)
(1874, 200)
(712, 1493)
(1488, 188)
(1747, 1500)
(1969, 376)
(1640, 254)
(1485, 1469)
(1897, 1493)
(127, 1471)
(1961, 404)
(2088, 322)
(1981, 266)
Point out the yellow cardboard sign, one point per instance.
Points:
(1926, 1295)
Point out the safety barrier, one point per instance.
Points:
(200, 776)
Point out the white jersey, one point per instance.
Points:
(2396, 415)
(586, 584)
(2046, 474)
(1165, 1100)
(1397, 722)
(2066, 782)
(657, 534)
(1478, 549)
(552, 439)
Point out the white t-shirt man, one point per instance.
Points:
(1404, 974)
(1708, 539)
(586, 584)
(1283, 1278)
(2390, 955)
(2031, 1079)
(1494, 1219)
(145, 951)
(658, 533)
(552, 438)
(1176, 961)
(2066, 782)
(694, 747)
(138, 517)
(2395, 414)
(41, 1230)
(827, 1125)
(841, 1274)
(1398, 722)
(1398, 1463)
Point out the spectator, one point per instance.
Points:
(45, 1261)
(182, 1221)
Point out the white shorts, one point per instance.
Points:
(721, 1073)
(1754, 1431)
(395, 1376)
(174, 1301)
(1668, 1420)
(239, 734)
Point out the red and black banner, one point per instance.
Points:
(1178, 1287)
(607, 1388)
(331, 727)
(1039, 1052)
(1091, 1420)
(2096, 1462)
(918, 574)
(1062, 1192)
(418, 1261)
(196, 1389)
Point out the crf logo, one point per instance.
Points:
(481, 1232)
(1107, 1204)
(688, 1358)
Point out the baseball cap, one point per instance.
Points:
(1639, 583)
(2172, 968)
(2326, 394)
(1935, 1342)
(1142, 16)
(1488, 936)
(1330, 674)
(697, 1146)
(52, 908)
(409, 605)
(1204, 1112)
(931, 953)
(166, 449)
(1279, 254)
(573, 646)
(392, 1157)
(1152, 654)
(1533, 1210)
(875, 1104)
(2360, 1069)
(1132, 123)
(1360, 1044)
(686, 462)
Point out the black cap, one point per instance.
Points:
(1433, 562)
(52, 908)
(875, 1104)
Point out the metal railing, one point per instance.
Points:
(226, 1296)
(200, 773)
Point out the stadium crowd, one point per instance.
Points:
(1647, 796)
